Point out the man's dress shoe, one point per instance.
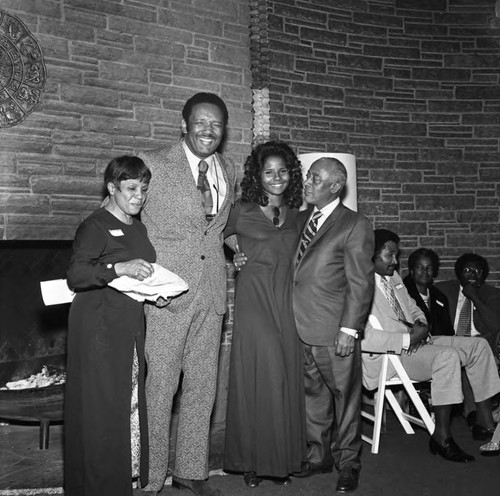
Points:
(197, 487)
(309, 469)
(348, 480)
(449, 450)
(251, 479)
(480, 433)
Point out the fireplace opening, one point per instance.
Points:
(32, 335)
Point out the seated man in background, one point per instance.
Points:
(397, 325)
(479, 301)
(423, 265)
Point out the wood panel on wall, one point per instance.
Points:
(118, 74)
(412, 89)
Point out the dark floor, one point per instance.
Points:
(403, 467)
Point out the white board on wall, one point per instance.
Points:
(349, 195)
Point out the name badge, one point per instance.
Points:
(439, 303)
(116, 232)
(399, 286)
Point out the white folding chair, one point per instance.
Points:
(384, 391)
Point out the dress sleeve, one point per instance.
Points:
(232, 220)
(87, 268)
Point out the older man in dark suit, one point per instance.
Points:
(190, 197)
(333, 286)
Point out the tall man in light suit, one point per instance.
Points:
(184, 336)
(397, 325)
(333, 286)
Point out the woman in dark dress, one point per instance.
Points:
(265, 435)
(105, 338)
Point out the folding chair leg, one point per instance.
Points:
(424, 414)
(398, 411)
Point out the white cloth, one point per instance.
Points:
(162, 283)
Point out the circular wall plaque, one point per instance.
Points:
(22, 71)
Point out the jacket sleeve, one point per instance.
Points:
(358, 267)
(378, 340)
(86, 268)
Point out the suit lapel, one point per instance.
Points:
(453, 302)
(228, 198)
(326, 226)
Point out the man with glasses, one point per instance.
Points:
(474, 305)
(474, 308)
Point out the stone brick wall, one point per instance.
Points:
(412, 89)
(118, 74)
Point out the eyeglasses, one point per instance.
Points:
(468, 271)
(424, 268)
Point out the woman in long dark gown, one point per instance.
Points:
(265, 434)
(106, 336)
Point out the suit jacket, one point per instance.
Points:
(438, 315)
(383, 331)
(177, 227)
(333, 281)
(487, 326)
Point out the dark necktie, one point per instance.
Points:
(204, 187)
(464, 323)
(391, 298)
(309, 233)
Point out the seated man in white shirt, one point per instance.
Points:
(397, 325)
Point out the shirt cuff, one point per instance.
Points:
(406, 341)
(352, 332)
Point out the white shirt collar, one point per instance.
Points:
(328, 209)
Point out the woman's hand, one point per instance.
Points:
(137, 269)
(239, 258)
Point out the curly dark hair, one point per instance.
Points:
(424, 252)
(251, 186)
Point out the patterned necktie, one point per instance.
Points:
(309, 233)
(464, 324)
(391, 297)
(204, 187)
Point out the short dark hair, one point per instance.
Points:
(382, 236)
(467, 258)
(251, 185)
(124, 168)
(424, 252)
(204, 98)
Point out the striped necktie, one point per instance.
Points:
(309, 233)
(464, 319)
(391, 297)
